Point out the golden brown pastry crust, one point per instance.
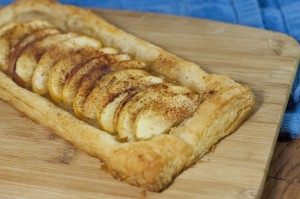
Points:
(154, 163)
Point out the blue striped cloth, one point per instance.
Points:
(277, 15)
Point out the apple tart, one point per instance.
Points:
(146, 113)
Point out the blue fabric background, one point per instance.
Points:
(277, 15)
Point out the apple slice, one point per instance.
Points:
(7, 27)
(62, 69)
(128, 111)
(28, 59)
(105, 118)
(16, 31)
(5, 46)
(163, 113)
(50, 57)
(4, 54)
(115, 94)
(12, 34)
(91, 102)
(26, 41)
(72, 83)
(34, 36)
(89, 81)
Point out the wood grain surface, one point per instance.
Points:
(283, 180)
(34, 163)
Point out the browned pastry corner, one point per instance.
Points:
(146, 113)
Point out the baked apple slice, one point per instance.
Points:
(50, 57)
(27, 40)
(28, 59)
(89, 81)
(92, 100)
(116, 93)
(7, 27)
(72, 83)
(11, 34)
(163, 113)
(63, 68)
(127, 112)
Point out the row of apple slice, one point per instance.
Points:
(98, 84)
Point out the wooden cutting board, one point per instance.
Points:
(34, 163)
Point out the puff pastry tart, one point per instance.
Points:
(146, 113)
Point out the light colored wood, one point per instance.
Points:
(34, 163)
